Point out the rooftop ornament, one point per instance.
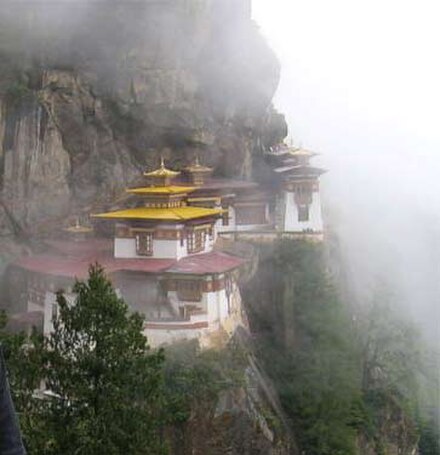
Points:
(162, 175)
(197, 172)
(78, 231)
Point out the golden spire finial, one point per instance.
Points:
(162, 172)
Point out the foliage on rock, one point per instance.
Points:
(342, 376)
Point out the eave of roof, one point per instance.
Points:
(158, 214)
(201, 264)
(79, 268)
(205, 264)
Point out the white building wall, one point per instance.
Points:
(231, 226)
(50, 301)
(232, 218)
(169, 249)
(221, 315)
(158, 337)
(125, 248)
(162, 249)
(209, 242)
(216, 304)
(251, 227)
(236, 317)
(291, 223)
(213, 304)
(174, 301)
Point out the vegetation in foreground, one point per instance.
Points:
(106, 391)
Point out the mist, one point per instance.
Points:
(359, 84)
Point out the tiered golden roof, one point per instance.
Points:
(163, 201)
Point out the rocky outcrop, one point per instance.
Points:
(240, 424)
(395, 433)
(244, 418)
(84, 108)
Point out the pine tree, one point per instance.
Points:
(105, 384)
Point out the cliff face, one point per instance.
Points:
(92, 93)
(236, 412)
(305, 338)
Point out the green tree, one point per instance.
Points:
(390, 348)
(309, 347)
(106, 387)
(399, 374)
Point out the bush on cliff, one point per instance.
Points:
(338, 370)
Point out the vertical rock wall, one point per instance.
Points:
(84, 108)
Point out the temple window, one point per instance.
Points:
(144, 244)
(252, 214)
(189, 291)
(303, 213)
(196, 241)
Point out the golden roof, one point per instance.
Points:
(197, 167)
(158, 214)
(162, 190)
(205, 199)
(162, 172)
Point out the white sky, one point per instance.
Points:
(360, 84)
(374, 62)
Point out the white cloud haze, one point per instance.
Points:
(361, 84)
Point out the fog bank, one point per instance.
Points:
(359, 84)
